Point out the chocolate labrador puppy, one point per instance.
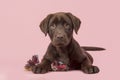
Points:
(60, 26)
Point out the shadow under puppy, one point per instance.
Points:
(63, 47)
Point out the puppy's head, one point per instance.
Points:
(59, 27)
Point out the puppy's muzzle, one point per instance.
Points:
(60, 37)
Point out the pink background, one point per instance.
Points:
(20, 36)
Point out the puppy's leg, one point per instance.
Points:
(89, 56)
(42, 68)
(87, 66)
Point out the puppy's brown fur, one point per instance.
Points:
(59, 27)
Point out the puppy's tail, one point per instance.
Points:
(88, 48)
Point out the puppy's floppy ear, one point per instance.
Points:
(44, 24)
(75, 21)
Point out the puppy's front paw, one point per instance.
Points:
(40, 69)
(91, 70)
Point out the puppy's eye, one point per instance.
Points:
(67, 26)
(53, 26)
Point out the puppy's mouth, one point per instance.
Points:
(59, 44)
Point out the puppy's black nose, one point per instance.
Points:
(59, 36)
